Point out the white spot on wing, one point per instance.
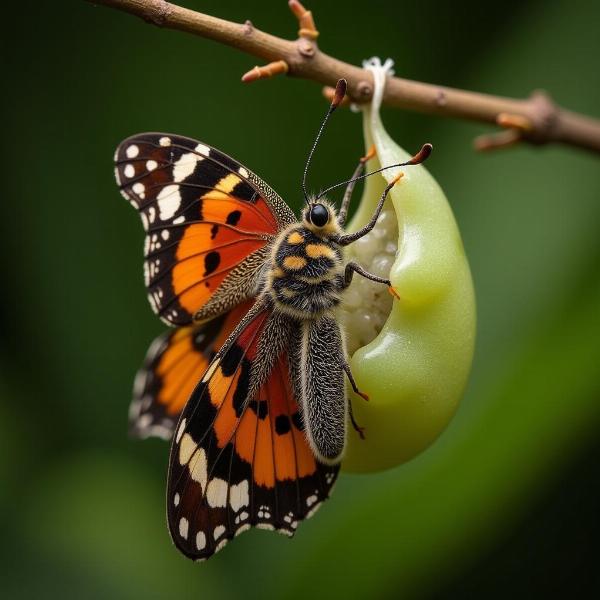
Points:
(165, 141)
(311, 500)
(129, 171)
(151, 165)
(169, 201)
(211, 370)
(243, 172)
(181, 430)
(139, 383)
(219, 531)
(242, 528)
(185, 166)
(200, 540)
(202, 149)
(144, 421)
(183, 527)
(179, 220)
(176, 499)
(139, 188)
(221, 544)
(238, 495)
(216, 493)
(132, 151)
(164, 234)
(198, 468)
(186, 449)
(152, 301)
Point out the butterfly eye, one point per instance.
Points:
(318, 215)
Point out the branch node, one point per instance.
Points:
(545, 117)
(306, 48)
(279, 67)
(440, 98)
(305, 20)
(157, 12)
(248, 27)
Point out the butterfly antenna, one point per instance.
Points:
(340, 92)
(421, 156)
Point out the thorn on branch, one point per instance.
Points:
(510, 121)
(305, 20)
(494, 141)
(279, 67)
(517, 128)
(306, 45)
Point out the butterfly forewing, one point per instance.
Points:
(239, 457)
(208, 221)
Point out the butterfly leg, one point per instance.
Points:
(352, 267)
(360, 430)
(344, 240)
(343, 213)
(346, 368)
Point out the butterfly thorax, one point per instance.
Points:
(306, 272)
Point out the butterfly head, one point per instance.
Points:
(320, 218)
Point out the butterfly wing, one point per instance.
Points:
(240, 458)
(174, 364)
(208, 222)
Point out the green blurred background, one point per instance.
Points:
(506, 501)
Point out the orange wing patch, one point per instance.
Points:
(173, 367)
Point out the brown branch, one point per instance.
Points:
(536, 119)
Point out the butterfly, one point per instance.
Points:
(250, 386)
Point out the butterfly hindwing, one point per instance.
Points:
(208, 222)
(174, 364)
(240, 457)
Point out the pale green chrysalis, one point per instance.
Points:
(416, 369)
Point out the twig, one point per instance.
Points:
(536, 120)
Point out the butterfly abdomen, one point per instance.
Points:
(319, 353)
(305, 278)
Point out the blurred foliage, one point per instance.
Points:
(82, 505)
